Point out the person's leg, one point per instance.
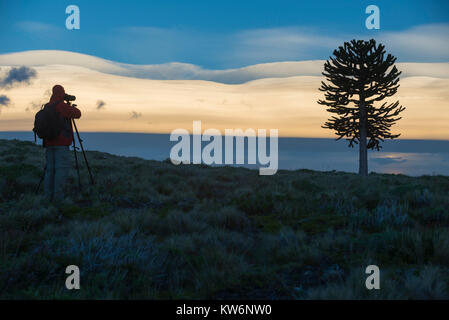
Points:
(62, 166)
(49, 173)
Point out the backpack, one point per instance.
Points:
(48, 124)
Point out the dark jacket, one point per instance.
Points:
(68, 113)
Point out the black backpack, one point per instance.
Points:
(48, 124)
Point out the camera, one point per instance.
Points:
(68, 97)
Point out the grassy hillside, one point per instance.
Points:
(153, 230)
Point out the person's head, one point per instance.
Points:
(58, 93)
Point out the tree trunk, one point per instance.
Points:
(363, 154)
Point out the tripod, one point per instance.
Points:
(84, 154)
(73, 125)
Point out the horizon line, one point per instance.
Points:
(190, 134)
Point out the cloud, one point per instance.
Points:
(288, 104)
(13, 77)
(184, 71)
(39, 28)
(18, 75)
(161, 45)
(239, 48)
(100, 104)
(265, 53)
(135, 115)
(281, 44)
(222, 49)
(37, 104)
(255, 46)
(420, 43)
(4, 100)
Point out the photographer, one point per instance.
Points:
(57, 150)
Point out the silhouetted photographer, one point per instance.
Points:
(53, 124)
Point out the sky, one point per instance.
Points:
(154, 66)
(223, 34)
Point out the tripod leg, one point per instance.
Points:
(84, 153)
(40, 181)
(76, 161)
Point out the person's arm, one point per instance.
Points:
(68, 111)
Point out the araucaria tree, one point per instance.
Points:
(358, 76)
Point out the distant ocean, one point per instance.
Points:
(410, 157)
